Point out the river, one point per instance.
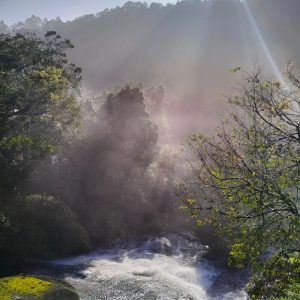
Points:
(166, 267)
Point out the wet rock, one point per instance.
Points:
(36, 287)
(160, 245)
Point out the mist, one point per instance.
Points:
(140, 79)
(181, 54)
(188, 47)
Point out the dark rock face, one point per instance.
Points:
(61, 289)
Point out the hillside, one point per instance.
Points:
(189, 47)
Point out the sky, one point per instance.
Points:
(12, 11)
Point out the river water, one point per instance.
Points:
(167, 267)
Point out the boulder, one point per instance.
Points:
(36, 288)
(160, 245)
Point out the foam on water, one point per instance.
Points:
(166, 268)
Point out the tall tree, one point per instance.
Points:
(37, 102)
(38, 106)
(108, 165)
(248, 176)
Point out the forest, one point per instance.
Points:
(171, 134)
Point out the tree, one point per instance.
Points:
(248, 178)
(37, 102)
(38, 106)
(114, 175)
(40, 227)
(102, 174)
(3, 27)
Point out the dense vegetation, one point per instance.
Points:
(115, 175)
(248, 176)
(38, 105)
(77, 173)
(74, 173)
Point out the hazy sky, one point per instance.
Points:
(12, 11)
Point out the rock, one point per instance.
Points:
(160, 245)
(36, 287)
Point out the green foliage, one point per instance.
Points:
(114, 176)
(41, 227)
(38, 107)
(249, 176)
(277, 277)
(293, 293)
(234, 70)
(37, 102)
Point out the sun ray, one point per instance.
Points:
(263, 44)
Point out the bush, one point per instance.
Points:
(39, 226)
(277, 277)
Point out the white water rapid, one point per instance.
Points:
(161, 268)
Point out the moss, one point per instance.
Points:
(23, 287)
(35, 288)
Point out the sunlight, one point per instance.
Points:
(149, 149)
(263, 44)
